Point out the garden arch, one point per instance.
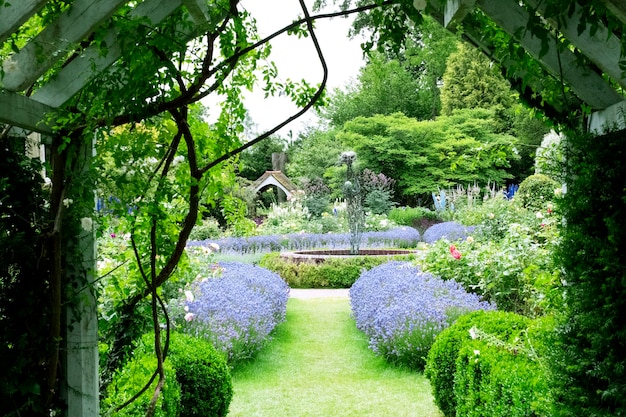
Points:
(274, 178)
(41, 77)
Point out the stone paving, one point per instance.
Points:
(319, 293)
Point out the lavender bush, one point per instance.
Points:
(402, 309)
(401, 237)
(448, 230)
(237, 309)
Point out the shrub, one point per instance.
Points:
(447, 230)
(334, 272)
(207, 229)
(203, 375)
(420, 218)
(402, 310)
(536, 191)
(590, 365)
(132, 378)
(441, 362)
(197, 380)
(492, 380)
(237, 310)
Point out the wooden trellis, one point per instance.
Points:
(26, 101)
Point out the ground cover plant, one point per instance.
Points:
(318, 364)
(402, 310)
(236, 308)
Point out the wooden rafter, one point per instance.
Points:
(76, 23)
(198, 10)
(584, 81)
(24, 112)
(74, 76)
(13, 17)
(618, 8)
(602, 48)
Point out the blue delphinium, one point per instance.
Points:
(402, 309)
(237, 309)
(449, 230)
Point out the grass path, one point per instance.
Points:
(319, 365)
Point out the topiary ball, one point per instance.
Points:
(536, 191)
(204, 377)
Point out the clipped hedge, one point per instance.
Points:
(536, 191)
(486, 364)
(197, 381)
(332, 273)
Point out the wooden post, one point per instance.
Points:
(79, 358)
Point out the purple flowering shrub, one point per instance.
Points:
(401, 237)
(447, 230)
(402, 310)
(237, 309)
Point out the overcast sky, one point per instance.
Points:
(296, 59)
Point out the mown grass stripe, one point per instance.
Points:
(319, 365)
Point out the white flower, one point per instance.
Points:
(214, 246)
(472, 333)
(189, 316)
(491, 215)
(476, 352)
(86, 223)
(539, 215)
(189, 296)
(67, 202)
(470, 239)
(186, 308)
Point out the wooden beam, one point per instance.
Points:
(15, 14)
(198, 10)
(80, 71)
(53, 43)
(586, 83)
(24, 112)
(610, 119)
(602, 48)
(474, 35)
(618, 8)
(455, 11)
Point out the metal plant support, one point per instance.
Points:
(354, 209)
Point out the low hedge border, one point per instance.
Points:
(332, 273)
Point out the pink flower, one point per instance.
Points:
(189, 317)
(454, 252)
(113, 235)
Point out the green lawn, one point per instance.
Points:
(318, 364)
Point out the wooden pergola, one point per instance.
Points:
(29, 95)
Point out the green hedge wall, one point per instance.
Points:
(332, 273)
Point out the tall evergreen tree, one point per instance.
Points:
(470, 81)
